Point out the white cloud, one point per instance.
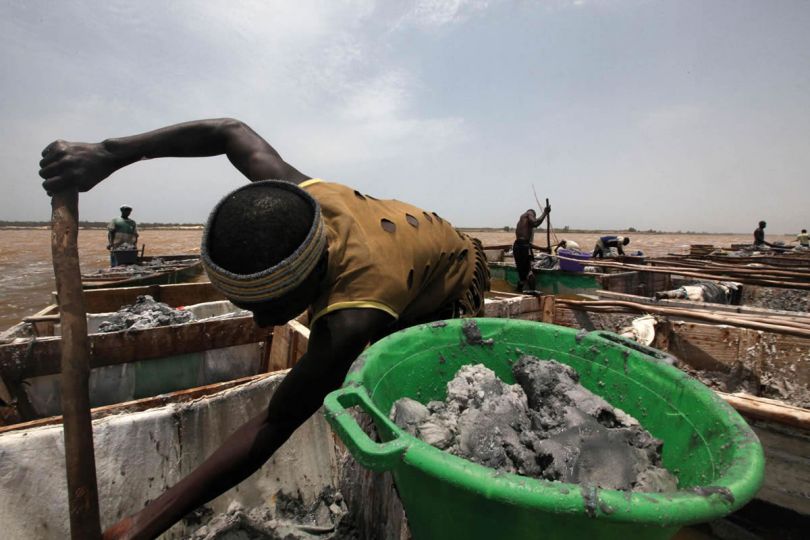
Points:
(672, 118)
(435, 13)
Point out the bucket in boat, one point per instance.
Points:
(715, 454)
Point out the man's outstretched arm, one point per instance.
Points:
(336, 341)
(84, 165)
(539, 221)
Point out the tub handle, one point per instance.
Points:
(370, 454)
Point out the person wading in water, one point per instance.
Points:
(284, 244)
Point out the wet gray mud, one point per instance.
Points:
(776, 298)
(472, 334)
(546, 426)
(144, 313)
(781, 385)
(292, 519)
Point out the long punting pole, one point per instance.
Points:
(548, 229)
(80, 462)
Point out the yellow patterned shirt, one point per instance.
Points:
(395, 257)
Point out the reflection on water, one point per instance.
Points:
(26, 274)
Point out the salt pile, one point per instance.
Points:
(324, 519)
(547, 426)
(144, 313)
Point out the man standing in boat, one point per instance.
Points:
(285, 243)
(122, 233)
(522, 247)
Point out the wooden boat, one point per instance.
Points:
(129, 365)
(150, 270)
(555, 281)
(702, 336)
(168, 435)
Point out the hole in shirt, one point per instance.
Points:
(463, 254)
(451, 257)
(410, 279)
(359, 195)
(388, 225)
(426, 273)
(437, 217)
(412, 220)
(372, 198)
(430, 219)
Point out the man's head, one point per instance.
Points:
(804, 231)
(531, 213)
(563, 244)
(626, 240)
(126, 210)
(762, 224)
(264, 247)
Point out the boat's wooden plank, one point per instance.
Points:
(289, 344)
(142, 404)
(769, 410)
(702, 346)
(105, 300)
(723, 308)
(41, 357)
(589, 320)
(635, 282)
(787, 465)
(514, 306)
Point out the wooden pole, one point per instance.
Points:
(587, 305)
(80, 462)
(703, 275)
(548, 229)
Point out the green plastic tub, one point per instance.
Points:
(711, 449)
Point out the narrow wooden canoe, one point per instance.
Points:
(171, 270)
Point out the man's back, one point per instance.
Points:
(759, 236)
(391, 256)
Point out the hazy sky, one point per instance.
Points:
(667, 115)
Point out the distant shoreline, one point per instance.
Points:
(95, 225)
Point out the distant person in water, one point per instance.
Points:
(803, 239)
(122, 233)
(604, 244)
(522, 248)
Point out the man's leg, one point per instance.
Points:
(521, 253)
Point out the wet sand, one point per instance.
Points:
(26, 273)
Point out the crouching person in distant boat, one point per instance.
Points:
(570, 245)
(281, 245)
(724, 292)
(605, 243)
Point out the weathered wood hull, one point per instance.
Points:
(134, 364)
(174, 275)
(560, 282)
